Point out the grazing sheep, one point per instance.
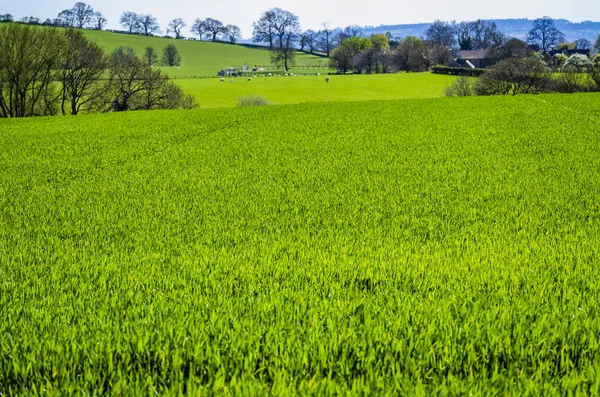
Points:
(178, 68)
(222, 79)
(270, 74)
(327, 79)
(249, 78)
(318, 74)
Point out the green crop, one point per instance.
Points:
(282, 90)
(418, 247)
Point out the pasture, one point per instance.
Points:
(417, 247)
(199, 58)
(212, 93)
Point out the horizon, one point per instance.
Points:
(246, 14)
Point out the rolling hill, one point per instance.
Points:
(199, 58)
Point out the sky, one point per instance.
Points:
(312, 13)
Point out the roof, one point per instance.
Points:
(472, 54)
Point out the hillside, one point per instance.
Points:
(512, 27)
(406, 248)
(199, 58)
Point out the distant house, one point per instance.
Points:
(473, 58)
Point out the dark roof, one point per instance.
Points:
(472, 54)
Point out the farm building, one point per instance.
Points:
(473, 59)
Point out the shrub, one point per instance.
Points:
(577, 63)
(252, 100)
(462, 86)
(515, 76)
(457, 71)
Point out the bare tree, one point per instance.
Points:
(545, 34)
(309, 40)
(148, 25)
(213, 27)
(98, 21)
(198, 28)
(264, 28)
(175, 26)
(442, 33)
(66, 18)
(130, 21)
(233, 33)
(324, 41)
(83, 14)
(479, 35)
(84, 63)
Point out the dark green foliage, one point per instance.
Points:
(171, 56)
(458, 71)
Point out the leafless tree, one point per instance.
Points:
(233, 33)
(148, 25)
(545, 34)
(98, 21)
(478, 35)
(130, 21)
(264, 28)
(213, 27)
(176, 26)
(66, 18)
(83, 14)
(442, 33)
(324, 40)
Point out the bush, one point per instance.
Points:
(462, 86)
(252, 100)
(457, 71)
(577, 63)
(515, 76)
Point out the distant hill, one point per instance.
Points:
(512, 27)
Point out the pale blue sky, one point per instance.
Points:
(313, 12)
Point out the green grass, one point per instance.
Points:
(417, 247)
(199, 58)
(212, 93)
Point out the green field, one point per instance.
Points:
(297, 89)
(199, 58)
(418, 247)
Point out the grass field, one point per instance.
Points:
(416, 247)
(290, 90)
(199, 58)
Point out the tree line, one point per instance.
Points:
(47, 72)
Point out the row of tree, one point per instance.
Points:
(49, 72)
(481, 35)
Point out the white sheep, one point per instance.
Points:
(249, 78)
(270, 75)
(318, 74)
(222, 79)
